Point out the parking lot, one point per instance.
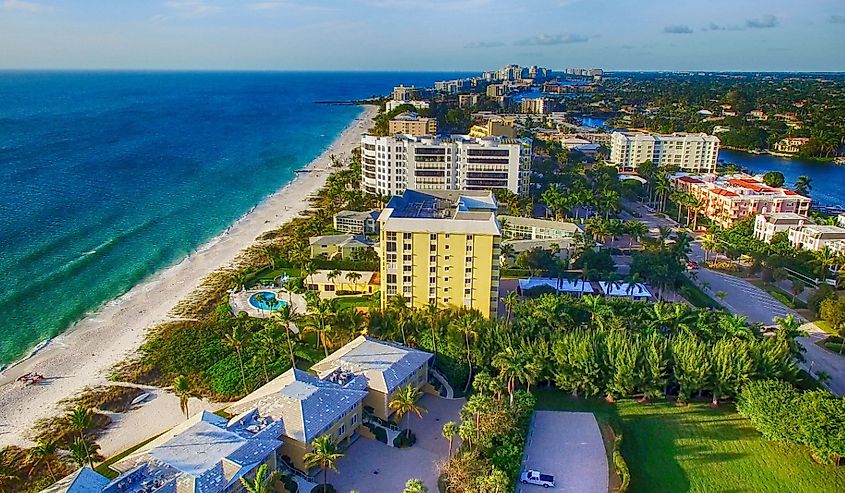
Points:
(568, 446)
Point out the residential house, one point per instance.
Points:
(356, 222)
(815, 237)
(385, 366)
(346, 246)
(308, 408)
(327, 284)
(791, 144)
(767, 225)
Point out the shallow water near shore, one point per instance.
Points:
(106, 178)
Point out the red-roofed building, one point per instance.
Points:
(726, 200)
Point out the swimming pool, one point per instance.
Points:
(266, 300)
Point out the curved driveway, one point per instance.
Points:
(569, 446)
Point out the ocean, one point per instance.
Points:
(108, 177)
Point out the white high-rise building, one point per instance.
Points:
(692, 153)
(389, 165)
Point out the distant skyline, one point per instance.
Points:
(430, 35)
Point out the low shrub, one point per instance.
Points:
(620, 465)
(781, 412)
(832, 346)
(114, 398)
(378, 431)
(723, 266)
(405, 440)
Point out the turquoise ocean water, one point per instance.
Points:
(106, 178)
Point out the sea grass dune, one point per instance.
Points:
(83, 356)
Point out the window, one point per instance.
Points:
(341, 430)
(391, 278)
(391, 246)
(406, 236)
(407, 258)
(433, 237)
(406, 247)
(354, 419)
(407, 268)
(406, 279)
(433, 248)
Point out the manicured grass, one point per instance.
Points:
(270, 274)
(696, 295)
(353, 301)
(696, 448)
(825, 326)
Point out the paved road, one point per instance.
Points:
(746, 299)
(568, 446)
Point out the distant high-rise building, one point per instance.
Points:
(689, 152)
(389, 165)
(405, 93)
(536, 106)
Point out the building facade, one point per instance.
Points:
(412, 124)
(356, 222)
(691, 153)
(441, 248)
(766, 226)
(815, 237)
(346, 247)
(405, 93)
(536, 106)
(727, 199)
(390, 165)
(418, 104)
(529, 228)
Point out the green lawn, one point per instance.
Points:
(825, 326)
(353, 301)
(698, 449)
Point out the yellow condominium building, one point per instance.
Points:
(412, 124)
(442, 248)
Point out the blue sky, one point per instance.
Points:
(801, 35)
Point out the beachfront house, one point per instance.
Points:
(205, 454)
(308, 408)
(328, 283)
(385, 366)
(345, 246)
(356, 222)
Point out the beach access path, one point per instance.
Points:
(83, 356)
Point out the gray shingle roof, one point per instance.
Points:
(306, 405)
(84, 480)
(385, 365)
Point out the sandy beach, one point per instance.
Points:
(83, 355)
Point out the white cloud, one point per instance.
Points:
(25, 6)
(551, 40)
(192, 8)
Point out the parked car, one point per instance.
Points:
(535, 477)
(691, 265)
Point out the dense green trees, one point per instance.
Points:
(812, 418)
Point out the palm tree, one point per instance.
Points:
(80, 419)
(803, 185)
(510, 300)
(321, 315)
(333, 274)
(324, 454)
(709, 243)
(43, 453)
(182, 388)
(636, 230)
(81, 452)
(513, 365)
(450, 429)
(415, 486)
(404, 402)
(286, 315)
(353, 277)
(237, 340)
(507, 253)
(467, 324)
(263, 481)
(662, 187)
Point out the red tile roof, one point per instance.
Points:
(689, 179)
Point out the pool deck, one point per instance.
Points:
(239, 301)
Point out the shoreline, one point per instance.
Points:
(82, 355)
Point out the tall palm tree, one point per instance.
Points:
(404, 402)
(262, 482)
(320, 317)
(510, 300)
(236, 341)
(433, 318)
(709, 243)
(333, 274)
(450, 430)
(324, 455)
(467, 324)
(79, 453)
(636, 230)
(353, 277)
(182, 389)
(43, 453)
(662, 187)
(507, 253)
(80, 419)
(286, 315)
